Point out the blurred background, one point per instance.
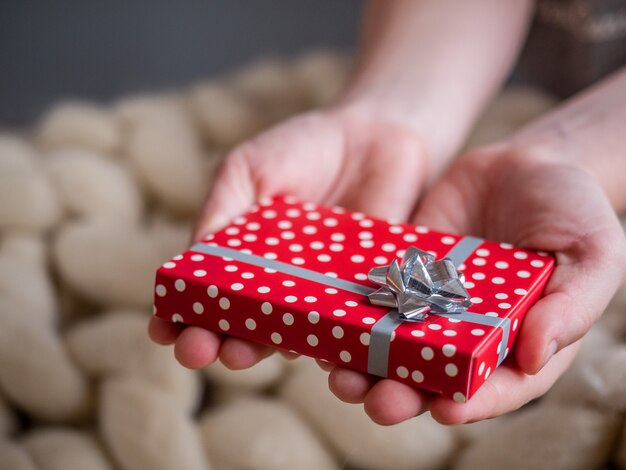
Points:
(113, 117)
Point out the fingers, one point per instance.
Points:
(390, 402)
(196, 347)
(240, 354)
(349, 385)
(163, 332)
(506, 390)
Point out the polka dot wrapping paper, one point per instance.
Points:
(278, 275)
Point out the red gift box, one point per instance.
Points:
(294, 276)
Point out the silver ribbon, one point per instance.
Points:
(419, 285)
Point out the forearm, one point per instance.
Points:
(433, 64)
(589, 131)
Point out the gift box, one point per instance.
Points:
(439, 311)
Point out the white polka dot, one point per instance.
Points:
(288, 319)
(177, 318)
(336, 247)
(310, 299)
(297, 261)
(272, 241)
(499, 348)
(364, 338)
(366, 243)
(270, 255)
(351, 303)
(247, 275)
(250, 324)
(448, 240)
(458, 397)
(169, 265)
(198, 308)
(417, 376)
(479, 261)
(520, 255)
(253, 226)
(504, 305)
(231, 268)
(161, 290)
(491, 314)
(469, 284)
(487, 373)
(368, 320)
(515, 323)
(284, 225)
(357, 258)
(388, 247)
(360, 276)
(395, 229)
(288, 283)
(276, 338)
(537, 263)
(309, 206)
(224, 303)
(317, 245)
(427, 353)
(366, 223)
(449, 333)
(330, 222)
(434, 326)
(448, 350)
(263, 290)
(249, 237)
(338, 332)
(240, 220)
(330, 290)
(291, 299)
(476, 300)
(365, 235)
(287, 235)
(402, 372)
(481, 368)
(521, 291)
(268, 214)
(454, 320)
(482, 252)
(478, 332)
(236, 286)
(324, 258)
(243, 250)
(339, 312)
(523, 274)
(451, 370)
(337, 237)
(409, 237)
(357, 215)
(179, 257)
(331, 274)
(418, 333)
(224, 325)
(309, 230)
(233, 242)
(199, 273)
(498, 280)
(197, 257)
(502, 296)
(313, 216)
(478, 276)
(231, 231)
(345, 356)
(266, 308)
(313, 317)
(212, 291)
(293, 212)
(312, 340)
(502, 264)
(381, 260)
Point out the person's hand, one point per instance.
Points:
(330, 157)
(534, 202)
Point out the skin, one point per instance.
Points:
(555, 186)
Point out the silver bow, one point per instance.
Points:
(419, 285)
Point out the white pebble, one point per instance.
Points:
(32, 356)
(116, 343)
(417, 443)
(262, 434)
(143, 428)
(65, 449)
(79, 125)
(546, 436)
(91, 185)
(27, 198)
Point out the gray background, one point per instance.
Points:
(52, 50)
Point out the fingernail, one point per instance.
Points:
(551, 351)
(216, 223)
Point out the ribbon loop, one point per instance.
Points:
(419, 285)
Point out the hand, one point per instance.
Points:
(330, 157)
(534, 202)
